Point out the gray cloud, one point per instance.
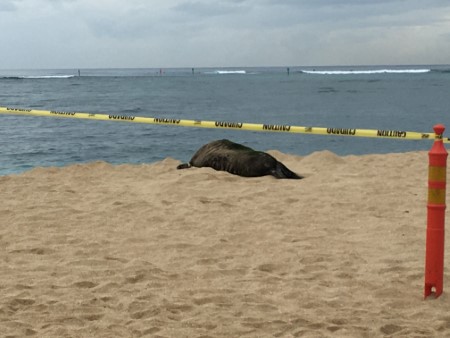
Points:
(7, 6)
(208, 9)
(171, 33)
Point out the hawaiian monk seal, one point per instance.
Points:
(239, 160)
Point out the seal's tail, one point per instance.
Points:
(281, 171)
(184, 166)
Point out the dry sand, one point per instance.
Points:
(98, 250)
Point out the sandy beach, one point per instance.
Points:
(97, 250)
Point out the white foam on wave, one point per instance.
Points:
(47, 77)
(230, 72)
(372, 71)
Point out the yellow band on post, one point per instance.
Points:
(436, 196)
(437, 174)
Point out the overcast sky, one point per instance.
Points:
(213, 33)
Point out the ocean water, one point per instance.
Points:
(408, 98)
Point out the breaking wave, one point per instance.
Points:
(36, 77)
(372, 71)
(224, 72)
(49, 77)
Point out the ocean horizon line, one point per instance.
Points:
(229, 67)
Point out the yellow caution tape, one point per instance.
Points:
(392, 134)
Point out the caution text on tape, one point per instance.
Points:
(392, 134)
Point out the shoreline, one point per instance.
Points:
(169, 158)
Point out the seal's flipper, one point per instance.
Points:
(281, 171)
(184, 166)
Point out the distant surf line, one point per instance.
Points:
(33, 77)
(227, 72)
(47, 76)
(370, 71)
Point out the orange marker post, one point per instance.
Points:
(437, 173)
